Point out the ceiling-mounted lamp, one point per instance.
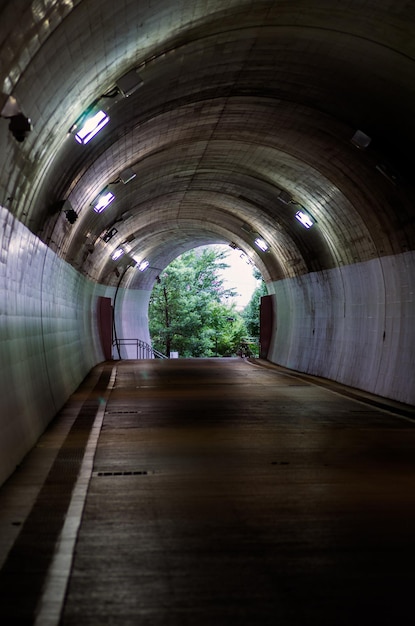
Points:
(261, 244)
(117, 254)
(66, 207)
(143, 265)
(89, 125)
(71, 216)
(95, 118)
(361, 140)
(305, 218)
(127, 175)
(111, 232)
(129, 83)
(19, 124)
(102, 201)
(285, 197)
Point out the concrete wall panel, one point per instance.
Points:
(131, 319)
(352, 324)
(397, 343)
(48, 337)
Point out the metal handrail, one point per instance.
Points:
(144, 349)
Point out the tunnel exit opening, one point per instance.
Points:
(206, 304)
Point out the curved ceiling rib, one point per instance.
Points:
(245, 115)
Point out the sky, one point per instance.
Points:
(238, 276)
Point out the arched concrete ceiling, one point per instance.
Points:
(241, 104)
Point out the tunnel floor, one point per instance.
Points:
(211, 492)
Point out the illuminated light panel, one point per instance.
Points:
(117, 254)
(91, 127)
(262, 244)
(143, 265)
(305, 219)
(102, 201)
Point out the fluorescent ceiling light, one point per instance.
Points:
(117, 254)
(102, 201)
(143, 265)
(305, 219)
(91, 126)
(262, 244)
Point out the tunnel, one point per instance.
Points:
(222, 122)
(227, 122)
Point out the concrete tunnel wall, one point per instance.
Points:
(353, 324)
(49, 335)
(266, 113)
(131, 319)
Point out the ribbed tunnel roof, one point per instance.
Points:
(245, 115)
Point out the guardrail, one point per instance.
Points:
(143, 349)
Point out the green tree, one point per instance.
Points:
(227, 327)
(188, 311)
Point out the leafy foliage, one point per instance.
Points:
(188, 311)
(251, 312)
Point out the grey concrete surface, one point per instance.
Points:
(247, 113)
(221, 493)
(226, 493)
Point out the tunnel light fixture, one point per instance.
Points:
(361, 140)
(71, 215)
(103, 200)
(127, 175)
(129, 83)
(109, 234)
(117, 254)
(143, 265)
(19, 124)
(261, 244)
(305, 219)
(89, 125)
(285, 197)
